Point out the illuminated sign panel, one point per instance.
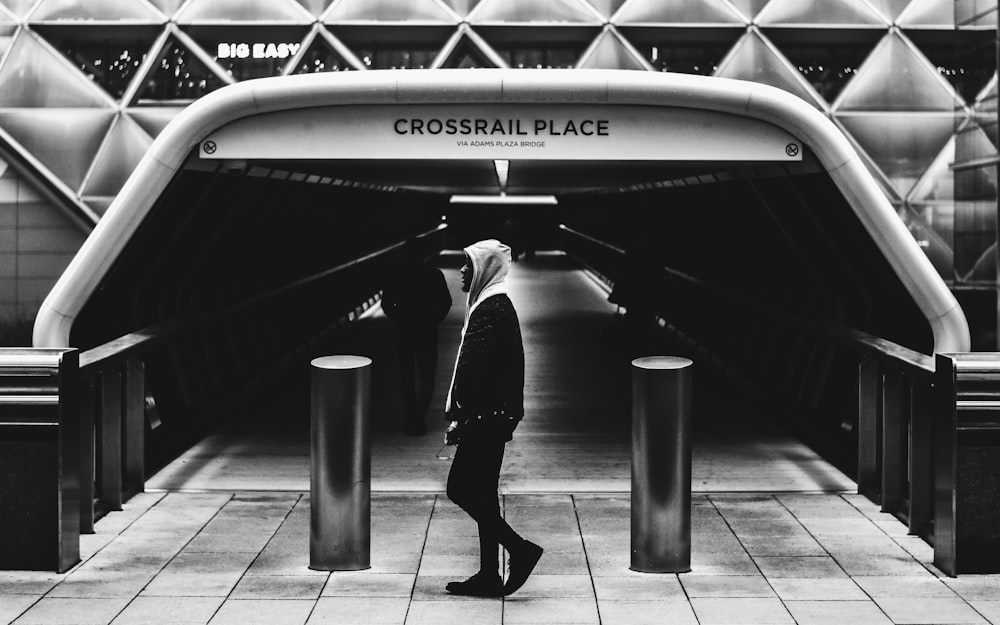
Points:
(257, 50)
(503, 131)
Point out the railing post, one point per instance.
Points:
(39, 459)
(661, 464)
(88, 471)
(894, 441)
(869, 425)
(109, 480)
(944, 427)
(340, 484)
(134, 424)
(921, 458)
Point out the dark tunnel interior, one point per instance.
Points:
(243, 268)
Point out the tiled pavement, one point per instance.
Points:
(241, 559)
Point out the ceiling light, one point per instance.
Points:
(547, 200)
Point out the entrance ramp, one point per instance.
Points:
(576, 433)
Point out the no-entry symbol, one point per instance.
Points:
(209, 147)
(792, 149)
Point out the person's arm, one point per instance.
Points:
(470, 374)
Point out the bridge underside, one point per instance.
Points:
(236, 259)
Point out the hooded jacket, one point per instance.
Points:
(488, 382)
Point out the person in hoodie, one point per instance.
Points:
(485, 403)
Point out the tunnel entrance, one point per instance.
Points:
(268, 210)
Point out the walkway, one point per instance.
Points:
(777, 535)
(575, 437)
(241, 559)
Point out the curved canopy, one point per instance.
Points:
(753, 121)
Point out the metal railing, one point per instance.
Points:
(903, 449)
(966, 454)
(116, 409)
(39, 467)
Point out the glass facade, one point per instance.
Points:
(85, 85)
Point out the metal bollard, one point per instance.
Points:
(340, 475)
(661, 464)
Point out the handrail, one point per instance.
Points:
(894, 385)
(966, 425)
(39, 423)
(869, 344)
(317, 277)
(148, 337)
(115, 405)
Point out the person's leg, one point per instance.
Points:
(468, 484)
(472, 485)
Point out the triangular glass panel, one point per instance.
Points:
(64, 140)
(607, 8)
(938, 13)
(528, 11)
(938, 182)
(974, 143)
(6, 17)
(315, 7)
(395, 47)
(897, 78)
(168, 7)
(178, 76)
(99, 10)
(902, 145)
(890, 9)
(884, 184)
(714, 12)
(467, 54)
(241, 52)
(610, 52)
(549, 47)
(20, 8)
(985, 117)
(683, 50)
(122, 150)
(819, 13)
(966, 58)
(462, 8)
(932, 226)
(110, 59)
(986, 100)
(827, 58)
(388, 11)
(273, 11)
(100, 205)
(35, 76)
(752, 59)
(976, 261)
(7, 34)
(153, 119)
(749, 8)
(321, 57)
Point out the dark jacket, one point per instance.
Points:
(489, 378)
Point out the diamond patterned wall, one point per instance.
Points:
(86, 84)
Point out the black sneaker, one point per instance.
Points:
(522, 563)
(479, 585)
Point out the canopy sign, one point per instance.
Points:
(502, 131)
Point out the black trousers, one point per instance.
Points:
(472, 485)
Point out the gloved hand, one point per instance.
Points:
(452, 434)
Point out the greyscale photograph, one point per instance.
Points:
(499, 312)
